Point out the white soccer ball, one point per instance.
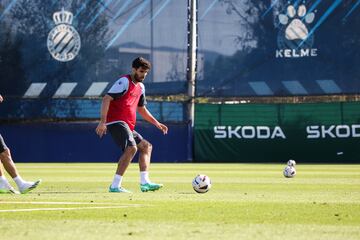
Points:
(289, 172)
(291, 163)
(201, 183)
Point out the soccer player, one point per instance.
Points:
(9, 165)
(118, 115)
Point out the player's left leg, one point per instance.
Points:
(145, 150)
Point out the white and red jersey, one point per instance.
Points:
(127, 97)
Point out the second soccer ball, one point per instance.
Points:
(291, 163)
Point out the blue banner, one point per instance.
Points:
(78, 48)
(279, 48)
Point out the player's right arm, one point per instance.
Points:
(1, 99)
(101, 128)
(117, 90)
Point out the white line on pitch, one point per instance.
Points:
(62, 203)
(65, 209)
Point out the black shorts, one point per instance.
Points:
(123, 136)
(3, 146)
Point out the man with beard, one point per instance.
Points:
(118, 115)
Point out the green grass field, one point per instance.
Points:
(247, 201)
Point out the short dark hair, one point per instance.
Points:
(141, 62)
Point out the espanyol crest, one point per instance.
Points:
(63, 40)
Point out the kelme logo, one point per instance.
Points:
(294, 39)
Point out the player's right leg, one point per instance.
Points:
(5, 186)
(9, 165)
(123, 137)
(123, 164)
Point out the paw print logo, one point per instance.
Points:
(296, 29)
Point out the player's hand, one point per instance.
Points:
(1, 99)
(101, 129)
(163, 128)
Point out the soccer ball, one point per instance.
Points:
(291, 163)
(201, 183)
(289, 172)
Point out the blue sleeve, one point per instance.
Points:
(119, 88)
(142, 100)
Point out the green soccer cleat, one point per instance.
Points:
(28, 187)
(150, 187)
(7, 190)
(118, 190)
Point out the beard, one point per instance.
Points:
(138, 79)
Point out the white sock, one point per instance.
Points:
(3, 179)
(3, 182)
(144, 177)
(116, 181)
(19, 181)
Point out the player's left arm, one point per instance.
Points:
(146, 115)
(144, 112)
(1, 99)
